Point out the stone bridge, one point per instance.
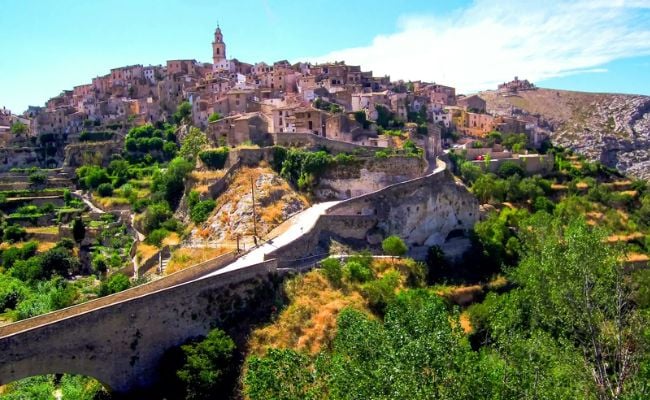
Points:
(121, 339)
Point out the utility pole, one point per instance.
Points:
(254, 217)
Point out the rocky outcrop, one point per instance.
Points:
(611, 128)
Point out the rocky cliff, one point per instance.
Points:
(611, 128)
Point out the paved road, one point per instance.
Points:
(298, 225)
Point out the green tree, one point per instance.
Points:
(394, 246)
(574, 288)
(18, 128)
(183, 112)
(282, 374)
(208, 365)
(114, 284)
(470, 172)
(201, 211)
(78, 230)
(193, 143)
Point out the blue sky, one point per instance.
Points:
(591, 45)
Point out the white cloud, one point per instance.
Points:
(491, 41)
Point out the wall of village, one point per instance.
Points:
(122, 345)
(531, 163)
(344, 181)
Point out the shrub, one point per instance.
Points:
(201, 211)
(105, 190)
(115, 283)
(37, 178)
(394, 246)
(207, 365)
(214, 158)
(155, 215)
(355, 271)
(156, 237)
(510, 168)
(331, 267)
(215, 116)
(14, 233)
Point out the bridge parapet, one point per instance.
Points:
(123, 343)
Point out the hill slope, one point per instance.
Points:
(611, 128)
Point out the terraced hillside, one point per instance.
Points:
(611, 128)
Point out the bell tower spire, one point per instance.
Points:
(218, 49)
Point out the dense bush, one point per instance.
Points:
(201, 211)
(105, 190)
(214, 158)
(394, 246)
(208, 366)
(86, 136)
(13, 233)
(114, 284)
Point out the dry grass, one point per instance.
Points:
(465, 323)
(637, 258)
(209, 175)
(582, 186)
(558, 187)
(108, 203)
(42, 245)
(309, 322)
(625, 238)
(42, 229)
(186, 257)
(145, 251)
(172, 239)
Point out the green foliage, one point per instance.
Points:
(200, 212)
(155, 215)
(356, 271)
(105, 190)
(470, 172)
(86, 136)
(332, 269)
(91, 176)
(147, 143)
(360, 117)
(192, 144)
(215, 116)
(510, 168)
(380, 292)
(78, 230)
(12, 292)
(208, 365)
(114, 284)
(13, 233)
(157, 236)
(183, 112)
(282, 374)
(37, 178)
(394, 246)
(214, 158)
(18, 128)
(170, 185)
(302, 168)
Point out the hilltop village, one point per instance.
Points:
(257, 103)
(287, 230)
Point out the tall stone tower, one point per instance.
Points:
(218, 50)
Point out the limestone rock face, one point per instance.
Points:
(275, 201)
(611, 128)
(423, 212)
